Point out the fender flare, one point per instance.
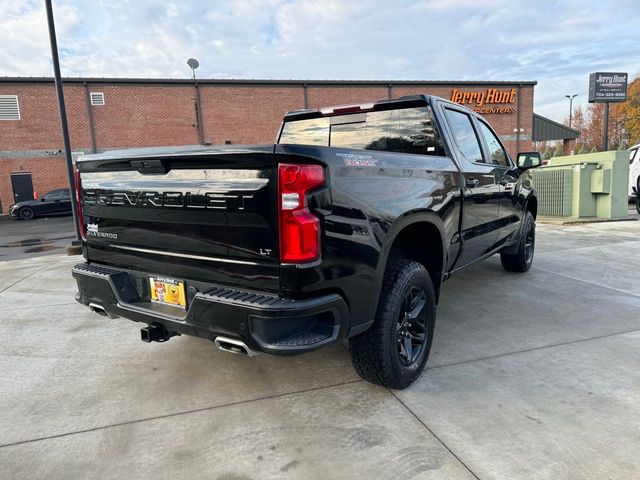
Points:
(402, 222)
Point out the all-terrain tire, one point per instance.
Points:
(521, 260)
(377, 354)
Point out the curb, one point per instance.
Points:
(581, 221)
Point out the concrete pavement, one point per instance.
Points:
(530, 376)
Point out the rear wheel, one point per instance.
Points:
(27, 213)
(521, 260)
(394, 351)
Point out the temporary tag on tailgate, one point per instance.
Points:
(167, 291)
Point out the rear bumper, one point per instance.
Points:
(263, 321)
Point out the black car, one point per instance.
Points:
(55, 202)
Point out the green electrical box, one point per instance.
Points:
(584, 186)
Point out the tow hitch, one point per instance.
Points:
(156, 333)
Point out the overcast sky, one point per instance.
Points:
(555, 43)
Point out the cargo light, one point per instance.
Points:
(78, 185)
(299, 228)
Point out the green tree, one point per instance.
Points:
(559, 151)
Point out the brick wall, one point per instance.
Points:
(157, 114)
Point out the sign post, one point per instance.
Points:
(607, 87)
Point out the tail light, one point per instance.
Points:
(299, 228)
(79, 213)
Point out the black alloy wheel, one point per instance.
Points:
(411, 330)
(394, 350)
(27, 213)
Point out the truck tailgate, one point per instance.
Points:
(207, 214)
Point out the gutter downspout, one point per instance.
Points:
(92, 131)
(199, 112)
(518, 121)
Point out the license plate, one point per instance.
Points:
(168, 291)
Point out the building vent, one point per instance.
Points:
(97, 98)
(9, 108)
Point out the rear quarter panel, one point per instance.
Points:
(370, 197)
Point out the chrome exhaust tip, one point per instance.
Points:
(232, 345)
(99, 309)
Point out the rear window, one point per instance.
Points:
(407, 130)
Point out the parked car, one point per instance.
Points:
(55, 202)
(346, 228)
(634, 170)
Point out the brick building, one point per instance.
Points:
(114, 113)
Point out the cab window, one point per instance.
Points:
(497, 155)
(465, 135)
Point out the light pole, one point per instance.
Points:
(193, 64)
(571, 97)
(76, 246)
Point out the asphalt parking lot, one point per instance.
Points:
(530, 376)
(40, 236)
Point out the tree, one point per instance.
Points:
(628, 113)
(559, 151)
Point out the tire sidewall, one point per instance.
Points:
(529, 225)
(404, 282)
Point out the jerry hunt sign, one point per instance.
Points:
(490, 100)
(607, 87)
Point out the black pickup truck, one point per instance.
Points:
(344, 229)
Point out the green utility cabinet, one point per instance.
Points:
(593, 185)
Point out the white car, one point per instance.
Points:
(634, 169)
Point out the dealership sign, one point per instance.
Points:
(607, 87)
(486, 101)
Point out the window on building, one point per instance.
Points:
(465, 135)
(496, 152)
(9, 107)
(97, 98)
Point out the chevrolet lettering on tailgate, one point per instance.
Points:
(212, 200)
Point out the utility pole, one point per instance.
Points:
(571, 97)
(76, 247)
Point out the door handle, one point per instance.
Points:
(472, 182)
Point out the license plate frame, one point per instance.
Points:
(167, 291)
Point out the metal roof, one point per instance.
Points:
(546, 129)
(232, 81)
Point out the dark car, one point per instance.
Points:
(55, 202)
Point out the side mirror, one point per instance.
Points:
(527, 160)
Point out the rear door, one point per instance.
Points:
(509, 211)
(481, 191)
(65, 202)
(209, 216)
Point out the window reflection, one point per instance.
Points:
(497, 153)
(409, 130)
(465, 135)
